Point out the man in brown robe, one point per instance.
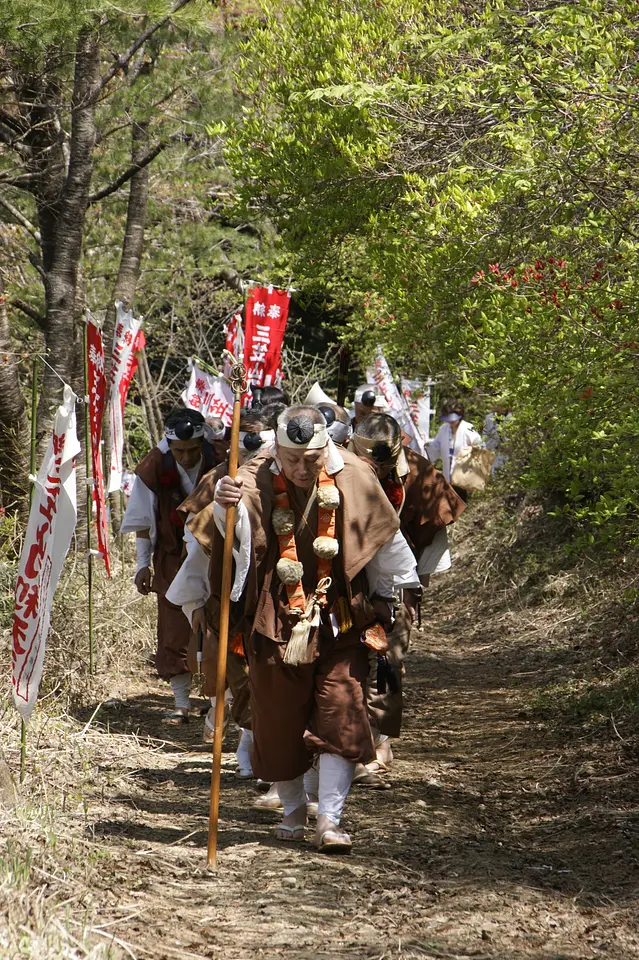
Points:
(307, 672)
(257, 434)
(426, 504)
(163, 478)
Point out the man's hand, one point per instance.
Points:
(229, 492)
(143, 581)
(383, 611)
(412, 599)
(198, 621)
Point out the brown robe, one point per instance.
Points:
(158, 471)
(430, 502)
(320, 704)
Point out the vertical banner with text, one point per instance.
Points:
(266, 317)
(97, 383)
(123, 366)
(380, 374)
(417, 397)
(52, 521)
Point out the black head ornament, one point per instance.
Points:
(300, 430)
(327, 412)
(381, 452)
(368, 398)
(253, 441)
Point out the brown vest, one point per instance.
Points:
(365, 522)
(158, 471)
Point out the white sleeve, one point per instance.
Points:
(141, 511)
(433, 449)
(392, 567)
(474, 438)
(241, 544)
(190, 588)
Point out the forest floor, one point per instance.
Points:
(511, 830)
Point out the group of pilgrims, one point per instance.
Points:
(339, 525)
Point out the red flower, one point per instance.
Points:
(588, 392)
(169, 477)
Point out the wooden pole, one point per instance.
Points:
(32, 470)
(238, 382)
(342, 376)
(89, 486)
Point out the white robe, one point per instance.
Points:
(439, 448)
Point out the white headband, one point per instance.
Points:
(214, 433)
(340, 432)
(319, 439)
(198, 433)
(267, 438)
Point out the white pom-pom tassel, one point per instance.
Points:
(298, 644)
(289, 571)
(328, 497)
(326, 547)
(283, 521)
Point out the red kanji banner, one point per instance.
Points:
(97, 383)
(266, 316)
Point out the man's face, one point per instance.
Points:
(302, 467)
(186, 452)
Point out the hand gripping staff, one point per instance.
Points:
(239, 385)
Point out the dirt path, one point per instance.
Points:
(500, 837)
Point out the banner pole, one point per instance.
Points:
(238, 383)
(32, 470)
(89, 486)
(342, 376)
(122, 509)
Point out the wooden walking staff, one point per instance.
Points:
(239, 386)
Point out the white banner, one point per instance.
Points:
(127, 328)
(417, 397)
(209, 394)
(381, 375)
(52, 521)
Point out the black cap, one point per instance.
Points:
(381, 452)
(327, 412)
(300, 430)
(253, 441)
(368, 398)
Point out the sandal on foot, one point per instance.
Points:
(283, 832)
(176, 717)
(333, 840)
(268, 801)
(312, 807)
(367, 777)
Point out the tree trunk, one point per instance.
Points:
(129, 271)
(61, 279)
(14, 425)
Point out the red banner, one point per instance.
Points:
(266, 316)
(97, 384)
(124, 363)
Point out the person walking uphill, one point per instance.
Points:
(454, 434)
(317, 545)
(163, 479)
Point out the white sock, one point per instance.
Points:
(311, 782)
(181, 685)
(335, 777)
(244, 748)
(291, 793)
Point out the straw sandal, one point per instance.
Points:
(333, 840)
(177, 717)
